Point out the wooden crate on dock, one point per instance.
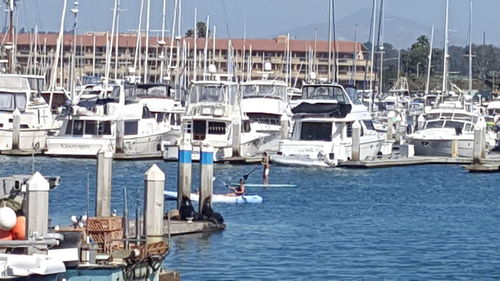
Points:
(105, 231)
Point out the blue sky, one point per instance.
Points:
(264, 18)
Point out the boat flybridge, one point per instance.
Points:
(213, 116)
(25, 117)
(447, 129)
(322, 134)
(129, 120)
(266, 103)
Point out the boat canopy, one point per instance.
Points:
(324, 92)
(330, 109)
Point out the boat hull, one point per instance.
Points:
(441, 147)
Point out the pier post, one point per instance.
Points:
(37, 207)
(184, 173)
(389, 128)
(454, 149)
(479, 142)
(206, 177)
(356, 141)
(236, 139)
(103, 184)
(420, 122)
(154, 184)
(398, 131)
(284, 129)
(120, 132)
(16, 128)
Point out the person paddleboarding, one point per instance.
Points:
(265, 171)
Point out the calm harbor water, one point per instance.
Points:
(422, 222)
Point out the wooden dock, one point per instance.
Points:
(179, 227)
(401, 161)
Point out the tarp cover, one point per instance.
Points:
(14, 83)
(332, 110)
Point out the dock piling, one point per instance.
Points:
(154, 184)
(206, 177)
(479, 142)
(103, 184)
(120, 132)
(236, 139)
(389, 128)
(37, 208)
(184, 173)
(284, 129)
(16, 128)
(356, 141)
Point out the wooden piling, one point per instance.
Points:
(16, 128)
(206, 177)
(184, 172)
(120, 133)
(479, 142)
(454, 149)
(154, 184)
(389, 128)
(236, 139)
(356, 141)
(103, 184)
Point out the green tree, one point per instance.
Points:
(201, 27)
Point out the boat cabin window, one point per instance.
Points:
(209, 93)
(461, 116)
(265, 118)
(217, 128)
(88, 127)
(369, 125)
(468, 127)
(131, 128)
(146, 114)
(245, 126)
(267, 91)
(199, 129)
(36, 84)
(316, 131)
(434, 124)
(324, 93)
(11, 101)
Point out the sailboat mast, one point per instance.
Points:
(330, 40)
(445, 60)
(372, 53)
(138, 38)
(146, 56)
(162, 42)
(470, 46)
(429, 63)
(12, 49)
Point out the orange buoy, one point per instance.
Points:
(19, 230)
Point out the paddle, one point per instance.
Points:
(246, 176)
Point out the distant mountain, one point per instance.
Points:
(396, 29)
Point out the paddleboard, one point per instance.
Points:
(220, 198)
(267, 185)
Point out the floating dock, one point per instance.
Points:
(404, 161)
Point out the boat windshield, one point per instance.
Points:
(11, 101)
(212, 93)
(324, 93)
(434, 124)
(353, 95)
(264, 91)
(142, 91)
(453, 124)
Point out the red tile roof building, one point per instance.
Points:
(91, 56)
